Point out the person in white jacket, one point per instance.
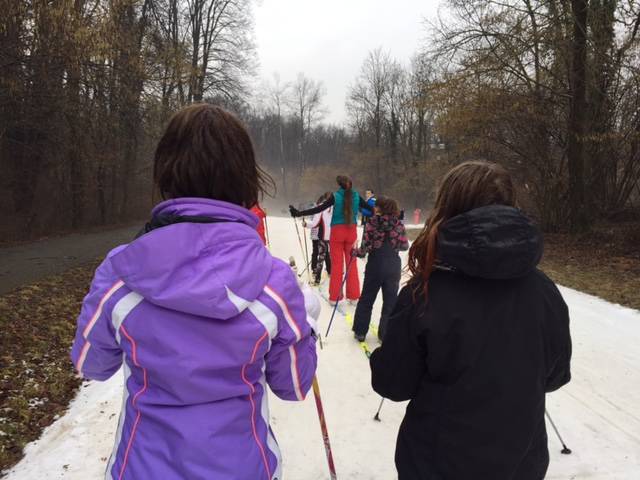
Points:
(320, 232)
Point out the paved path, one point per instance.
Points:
(29, 262)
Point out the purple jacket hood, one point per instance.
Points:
(197, 267)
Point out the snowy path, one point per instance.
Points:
(598, 413)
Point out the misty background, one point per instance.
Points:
(393, 94)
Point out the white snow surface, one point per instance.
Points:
(598, 413)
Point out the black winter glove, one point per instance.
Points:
(294, 211)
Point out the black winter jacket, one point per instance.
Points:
(478, 357)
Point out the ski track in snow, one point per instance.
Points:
(598, 413)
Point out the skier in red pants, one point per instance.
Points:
(346, 203)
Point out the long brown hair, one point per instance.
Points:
(465, 187)
(206, 152)
(346, 183)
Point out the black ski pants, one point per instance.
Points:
(320, 255)
(381, 273)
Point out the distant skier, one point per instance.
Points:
(477, 337)
(320, 232)
(346, 203)
(200, 317)
(259, 212)
(416, 216)
(367, 213)
(384, 236)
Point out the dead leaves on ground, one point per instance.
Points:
(37, 325)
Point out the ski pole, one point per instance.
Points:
(377, 416)
(335, 307)
(323, 428)
(298, 233)
(266, 231)
(305, 269)
(306, 257)
(565, 450)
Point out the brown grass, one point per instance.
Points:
(38, 325)
(604, 263)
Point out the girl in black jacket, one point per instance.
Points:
(477, 337)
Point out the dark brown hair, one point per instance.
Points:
(346, 183)
(465, 187)
(324, 197)
(207, 152)
(388, 206)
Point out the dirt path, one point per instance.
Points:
(26, 263)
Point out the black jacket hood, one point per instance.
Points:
(494, 242)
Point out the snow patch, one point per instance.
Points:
(598, 413)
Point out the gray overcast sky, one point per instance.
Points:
(329, 39)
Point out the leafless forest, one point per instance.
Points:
(548, 88)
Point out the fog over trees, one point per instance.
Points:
(548, 88)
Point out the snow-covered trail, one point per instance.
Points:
(598, 413)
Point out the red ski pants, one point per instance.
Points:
(341, 243)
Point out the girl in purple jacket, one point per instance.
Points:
(199, 316)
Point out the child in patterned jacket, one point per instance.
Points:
(384, 237)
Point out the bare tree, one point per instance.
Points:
(370, 89)
(394, 101)
(85, 88)
(278, 94)
(221, 47)
(306, 100)
(545, 88)
(367, 97)
(201, 48)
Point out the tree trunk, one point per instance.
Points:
(579, 217)
(601, 160)
(283, 166)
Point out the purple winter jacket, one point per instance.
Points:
(201, 317)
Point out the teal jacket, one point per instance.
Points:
(337, 202)
(338, 208)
